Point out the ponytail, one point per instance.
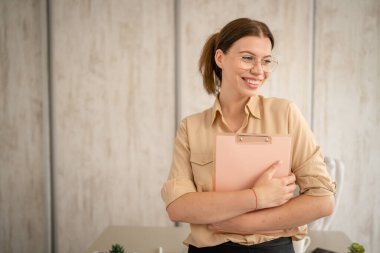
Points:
(211, 73)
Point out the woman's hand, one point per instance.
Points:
(270, 191)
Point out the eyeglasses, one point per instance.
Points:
(248, 62)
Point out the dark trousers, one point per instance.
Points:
(280, 245)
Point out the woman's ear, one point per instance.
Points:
(219, 58)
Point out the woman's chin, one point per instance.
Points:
(251, 89)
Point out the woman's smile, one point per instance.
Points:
(252, 82)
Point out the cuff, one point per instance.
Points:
(175, 188)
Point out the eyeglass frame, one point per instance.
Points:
(255, 61)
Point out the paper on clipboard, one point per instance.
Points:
(240, 159)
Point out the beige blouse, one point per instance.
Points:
(193, 165)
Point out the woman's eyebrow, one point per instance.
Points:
(249, 52)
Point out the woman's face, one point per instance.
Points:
(238, 79)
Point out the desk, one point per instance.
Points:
(149, 239)
(332, 240)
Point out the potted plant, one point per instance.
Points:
(356, 248)
(116, 248)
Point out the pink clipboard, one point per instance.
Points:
(240, 159)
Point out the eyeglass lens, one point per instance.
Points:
(268, 65)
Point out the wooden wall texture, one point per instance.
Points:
(347, 109)
(113, 115)
(114, 100)
(23, 127)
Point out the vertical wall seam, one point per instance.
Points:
(177, 59)
(177, 73)
(46, 125)
(312, 62)
(50, 129)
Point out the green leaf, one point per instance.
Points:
(356, 248)
(116, 248)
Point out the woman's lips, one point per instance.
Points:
(252, 82)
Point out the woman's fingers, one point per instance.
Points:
(273, 168)
(292, 188)
(288, 180)
(271, 191)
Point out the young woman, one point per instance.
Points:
(234, 64)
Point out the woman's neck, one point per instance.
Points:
(232, 105)
(233, 110)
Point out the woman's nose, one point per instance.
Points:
(257, 68)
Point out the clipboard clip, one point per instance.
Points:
(247, 138)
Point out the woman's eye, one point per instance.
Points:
(247, 58)
(267, 62)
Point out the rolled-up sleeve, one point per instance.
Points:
(180, 180)
(308, 162)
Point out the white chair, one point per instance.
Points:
(335, 168)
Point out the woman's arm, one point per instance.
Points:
(211, 207)
(296, 212)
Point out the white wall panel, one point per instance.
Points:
(347, 112)
(113, 115)
(23, 121)
(289, 22)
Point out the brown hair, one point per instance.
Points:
(233, 31)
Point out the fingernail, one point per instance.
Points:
(280, 162)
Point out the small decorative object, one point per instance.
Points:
(356, 248)
(116, 248)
